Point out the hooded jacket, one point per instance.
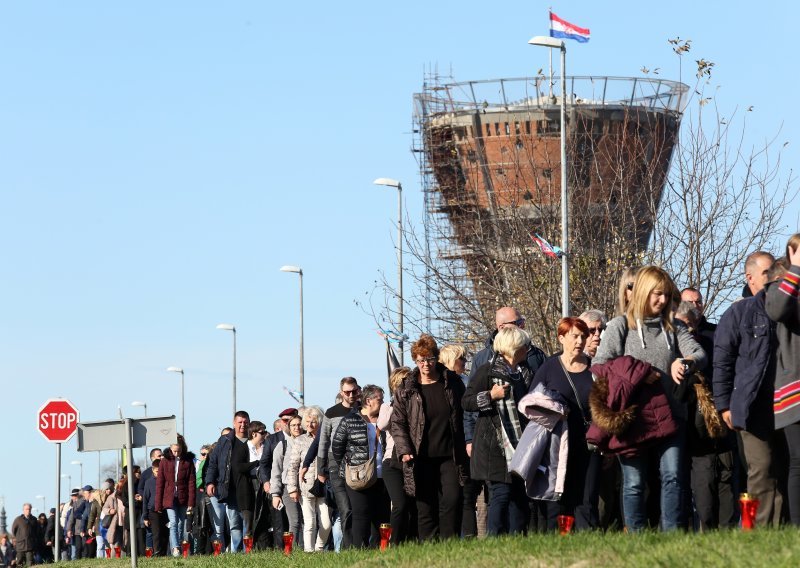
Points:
(408, 422)
(630, 410)
(541, 455)
(172, 490)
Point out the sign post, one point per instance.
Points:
(127, 434)
(57, 421)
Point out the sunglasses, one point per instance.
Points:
(599, 329)
(203, 453)
(517, 322)
(629, 286)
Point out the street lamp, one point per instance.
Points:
(552, 43)
(394, 183)
(299, 271)
(76, 462)
(44, 503)
(183, 413)
(231, 327)
(68, 477)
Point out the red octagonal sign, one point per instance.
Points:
(57, 420)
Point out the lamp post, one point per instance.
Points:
(231, 327)
(299, 271)
(183, 408)
(552, 43)
(78, 463)
(68, 477)
(44, 503)
(394, 183)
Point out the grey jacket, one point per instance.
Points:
(783, 307)
(333, 416)
(541, 455)
(650, 343)
(280, 466)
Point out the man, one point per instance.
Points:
(75, 523)
(743, 384)
(596, 321)
(755, 272)
(280, 431)
(25, 531)
(153, 520)
(50, 533)
(86, 550)
(155, 454)
(220, 484)
(327, 465)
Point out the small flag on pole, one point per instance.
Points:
(296, 395)
(563, 29)
(549, 250)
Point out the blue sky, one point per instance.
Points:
(161, 161)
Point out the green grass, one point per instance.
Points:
(773, 548)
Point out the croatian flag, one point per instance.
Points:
(549, 250)
(563, 29)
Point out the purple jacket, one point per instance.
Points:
(630, 411)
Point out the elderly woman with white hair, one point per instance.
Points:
(493, 393)
(307, 490)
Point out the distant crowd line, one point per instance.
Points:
(656, 418)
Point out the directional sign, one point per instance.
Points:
(57, 420)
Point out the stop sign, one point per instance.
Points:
(57, 420)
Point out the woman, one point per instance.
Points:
(428, 432)
(93, 526)
(569, 375)
(783, 307)
(648, 334)
(625, 291)
(175, 490)
(313, 506)
(244, 473)
(279, 479)
(402, 504)
(356, 441)
(493, 392)
(115, 507)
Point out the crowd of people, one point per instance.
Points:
(655, 418)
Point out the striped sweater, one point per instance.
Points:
(783, 307)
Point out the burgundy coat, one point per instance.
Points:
(629, 412)
(165, 482)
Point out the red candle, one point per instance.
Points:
(386, 535)
(148, 552)
(117, 552)
(288, 539)
(185, 548)
(565, 523)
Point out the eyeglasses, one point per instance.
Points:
(352, 392)
(629, 286)
(598, 330)
(517, 322)
(295, 425)
(203, 453)
(428, 361)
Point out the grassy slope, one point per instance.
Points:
(761, 548)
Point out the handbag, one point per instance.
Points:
(105, 522)
(318, 488)
(362, 476)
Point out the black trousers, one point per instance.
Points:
(342, 503)
(160, 535)
(469, 515)
(404, 511)
(440, 499)
(713, 490)
(369, 509)
(581, 491)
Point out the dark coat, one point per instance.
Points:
(240, 470)
(408, 423)
(488, 462)
(743, 346)
(166, 482)
(219, 466)
(629, 411)
(350, 440)
(25, 531)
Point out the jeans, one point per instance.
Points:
(634, 482)
(342, 503)
(231, 511)
(218, 518)
(101, 545)
(508, 507)
(177, 523)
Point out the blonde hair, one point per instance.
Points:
(449, 354)
(509, 340)
(310, 412)
(651, 278)
(793, 242)
(626, 277)
(397, 377)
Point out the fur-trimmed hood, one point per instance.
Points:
(630, 410)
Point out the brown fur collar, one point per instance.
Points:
(611, 421)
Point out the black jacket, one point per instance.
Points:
(350, 440)
(488, 462)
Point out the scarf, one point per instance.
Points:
(509, 433)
